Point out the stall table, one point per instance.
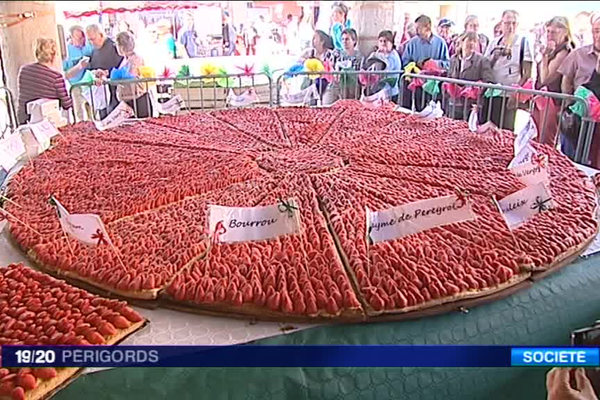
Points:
(544, 314)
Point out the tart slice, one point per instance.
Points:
(40, 310)
(296, 276)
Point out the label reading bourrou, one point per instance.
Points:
(247, 224)
(416, 217)
(519, 207)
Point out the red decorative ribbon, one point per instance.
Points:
(471, 92)
(524, 97)
(461, 197)
(219, 230)
(100, 236)
(539, 160)
(415, 83)
(452, 89)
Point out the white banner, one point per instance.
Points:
(245, 99)
(245, 224)
(301, 98)
(11, 149)
(520, 206)
(533, 172)
(86, 228)
(416, 217)
(526, 134)
(375, 100)
(121, 113)
(172, 106)
(525, 156)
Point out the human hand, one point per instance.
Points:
(550, 47)
(83, 63)
(559, 387)
(497, 52)
(98, 73)
(421, 64)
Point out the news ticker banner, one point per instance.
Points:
(297, 356)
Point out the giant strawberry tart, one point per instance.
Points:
(151, 182)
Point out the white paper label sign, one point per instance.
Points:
(526, 134)
(524, 156)
(473, 121)
(245, 99)
(416, 217)
(246, 224)
(115, 118)
(375, 100)
(43, 132)
(520, 206)
(533, 172)
(11, 149)
(86, 228)
(305, 96)
(173, 105)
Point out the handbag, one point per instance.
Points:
(570, 124)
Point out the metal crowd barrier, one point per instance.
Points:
(346, 84)
(199, 92)
(8, 117)
(418, 99)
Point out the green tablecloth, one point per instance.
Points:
(542, 315)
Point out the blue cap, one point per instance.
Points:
(445, 22)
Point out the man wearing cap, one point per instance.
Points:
(79, 52)
(426, 46)
(444, 30)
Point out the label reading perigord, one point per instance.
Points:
(416, 217)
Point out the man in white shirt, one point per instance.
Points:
(512, 58)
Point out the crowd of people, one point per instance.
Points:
(558, 60)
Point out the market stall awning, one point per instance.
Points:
(137, 7)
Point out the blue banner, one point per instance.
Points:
(296, 356)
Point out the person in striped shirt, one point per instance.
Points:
(40, 80)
